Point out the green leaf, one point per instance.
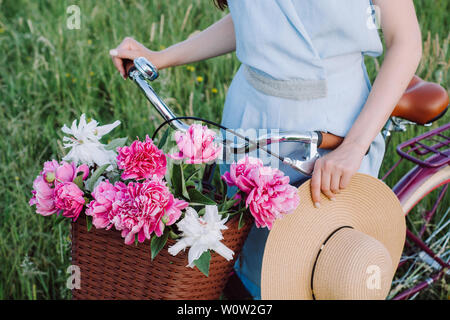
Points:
(173, 235)
(168, 175)
(79, 180)
(223, 187)
(193, 174)
(233, 213)
(88, 223)
(241, 220)
(197, 197)
(113, 178)
(163, 140)
(201, 212)
(60, 219)
(90, 183)
(158, 243)
(116, 143)
(228, 204)
(202, 263)
(178, 182)
(190, 184)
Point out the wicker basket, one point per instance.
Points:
(111, 269)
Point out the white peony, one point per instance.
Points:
(201, 234)
(84, 141)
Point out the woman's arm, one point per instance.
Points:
(214, 41)
(403, 52)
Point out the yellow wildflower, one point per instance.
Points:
(214, 90)
(199, 79)
(89, 42)
(91, 73)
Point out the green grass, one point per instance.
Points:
(49, 75)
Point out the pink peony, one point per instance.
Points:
(144, 208)
(197, 145)
(43, 197)
(268, 193)
(53, 174)
(49, 170)
(141, 160)
(272, 197)
(239, 174)
(67, 172)
(69, 198)
(101, 207)
(174, 212)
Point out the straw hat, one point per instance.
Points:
(346, 249)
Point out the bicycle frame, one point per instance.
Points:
(415, 179)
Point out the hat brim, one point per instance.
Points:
(367, 205)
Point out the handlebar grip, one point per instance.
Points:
(330, 141)
(128, 65)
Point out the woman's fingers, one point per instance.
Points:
(119, 55)
(345, 180)
(316, 184)
(118, 63)
(334, 171)
(335, 182)
(326, 183)
(326, 179)
(129, 49)
(124, 54)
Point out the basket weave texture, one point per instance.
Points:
(110, 269)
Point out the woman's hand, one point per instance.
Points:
(130, 49)
(214, 41)
(333, 172)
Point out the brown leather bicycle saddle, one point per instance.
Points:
(423, 102)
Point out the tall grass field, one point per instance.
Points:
(50, 75)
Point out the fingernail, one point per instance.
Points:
(317, 205)
(333, 199)
(113, 52)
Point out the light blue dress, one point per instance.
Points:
(317, 40)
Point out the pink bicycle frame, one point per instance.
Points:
(414, 179)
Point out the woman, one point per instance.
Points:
(303, 69)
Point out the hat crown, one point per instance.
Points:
(353, 266)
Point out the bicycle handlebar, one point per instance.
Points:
(144, 71)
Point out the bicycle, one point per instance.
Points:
(422, 104)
